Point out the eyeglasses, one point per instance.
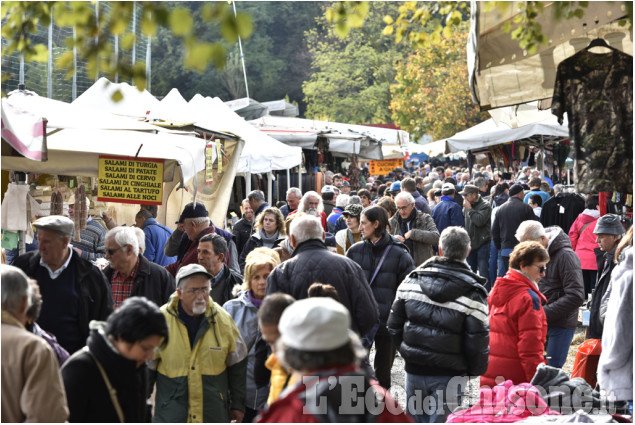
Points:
(541, 269)
(403, 208)
(196, 291)
(112, 251)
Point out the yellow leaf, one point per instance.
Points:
(117, 96)
(181, 21)
(388, 20)
(388, 30)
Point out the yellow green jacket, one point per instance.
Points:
(280, 378)
(194, 385)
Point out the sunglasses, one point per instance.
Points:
(112, 251)
(541, 269)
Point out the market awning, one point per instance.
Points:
(502, 74)
(247, 108)
(134, 103)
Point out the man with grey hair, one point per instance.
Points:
(312, 204)
(205, 382)
(257, 201)
(414, 228)
(74, 291)
(562, 285)
(439, 324)
(130, 273)
(293, 200)
(32, 389)
(312, 262)
(194, 223)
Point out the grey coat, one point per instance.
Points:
(424, 236)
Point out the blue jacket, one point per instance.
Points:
(448, 213)
(156, 237)
(331, 220)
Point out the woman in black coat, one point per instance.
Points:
(386, 263)
(121, 345)
(270, 233)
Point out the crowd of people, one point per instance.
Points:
(461, 272)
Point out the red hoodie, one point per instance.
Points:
(583, 242)
(518, 329)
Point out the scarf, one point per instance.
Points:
(255, 301)
(403, 228)
(268, 241)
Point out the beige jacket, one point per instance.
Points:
(32, 389)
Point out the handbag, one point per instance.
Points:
(586, 361)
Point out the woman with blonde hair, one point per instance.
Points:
(270, 232)
(244, 311)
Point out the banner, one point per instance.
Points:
(209, 162)
(385, 166)
(130, 180)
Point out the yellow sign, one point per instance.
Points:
(130, 180)
(385, 166)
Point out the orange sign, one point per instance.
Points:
(385, 166)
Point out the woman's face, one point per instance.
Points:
(535, 271)
(365, 201)
(141, 351)
(269, 224)
(352, 223)
(258, 283)
(367, 228)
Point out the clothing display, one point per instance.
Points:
(596, 92)
(562, 210)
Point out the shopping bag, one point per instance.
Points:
(586, 361)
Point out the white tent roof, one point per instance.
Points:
(134, 103)
(261, 153)
(488, 133)
(66, 115)
(76, 152)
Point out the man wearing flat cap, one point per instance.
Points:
(193, 224)
(74, 291)
(506, 221)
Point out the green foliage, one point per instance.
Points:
(432, 95)
(92, 31)
(351, 77)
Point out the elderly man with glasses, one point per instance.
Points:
(204, 382)
(132, 274)
(561, 284)
(414, 228)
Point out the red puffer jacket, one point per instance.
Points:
(583, 242)
(518, 329)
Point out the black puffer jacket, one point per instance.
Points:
(242, 230)
(562, 285)
(312, 262)
(439, 322)
(393, 271)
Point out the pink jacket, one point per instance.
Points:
(505, 403)
(583, 244)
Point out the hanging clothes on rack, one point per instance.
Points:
(596, 92)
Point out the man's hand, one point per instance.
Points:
(236, 416)
(77, 250)
(401, 238)
(407, 235)
(466, 204)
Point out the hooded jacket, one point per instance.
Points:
(86, 391)
(424, 235)
(396, 266)
(312, 262)
(245, 315)
(439, 320)
(584, 242)
(518, 329)
(202, 383)
(562, 285)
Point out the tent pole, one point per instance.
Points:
(269, 187)
(300, 177)
(247, 182)
(288, 179)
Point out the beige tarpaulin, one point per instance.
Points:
(502, 74)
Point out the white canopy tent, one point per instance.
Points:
(133, 104)
(488, 133)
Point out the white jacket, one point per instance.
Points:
(615, 368)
